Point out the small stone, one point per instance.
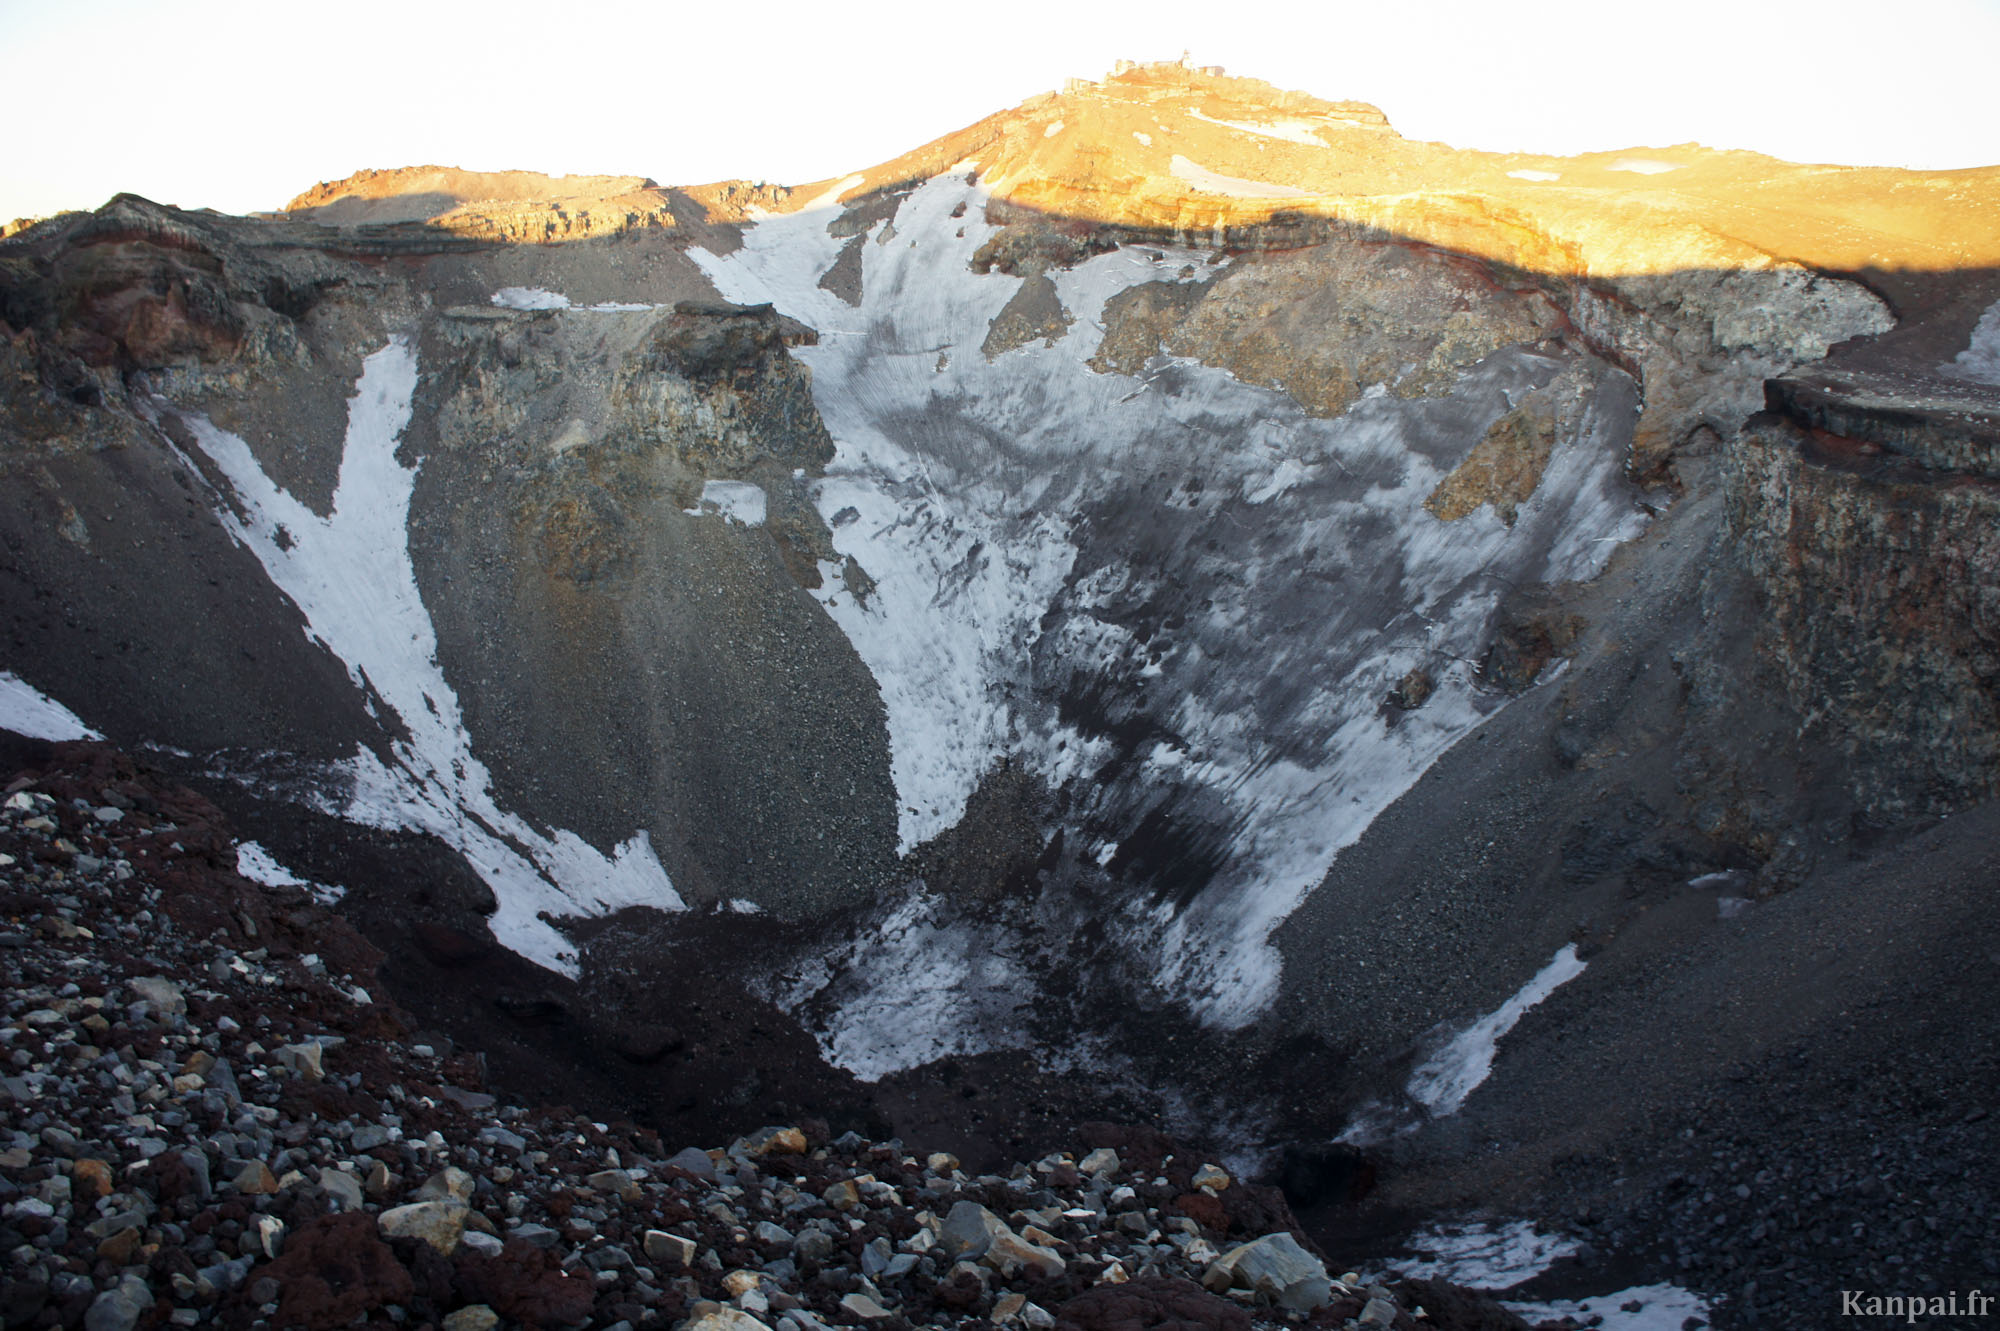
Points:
(969, 1230)
(268, 1233)
(725, 1319)
(864, 1307)
(91, 1179)
(1114, 1274)
(120, 1307)
(120, 1247)
(1010, 1254)
(696, 1162)
(617, 1182)
(1213, 1178)
(440, 1224)
(1008, 1306)
(369, 1136)
(163, 994)
(843, 1196)
(254, 1177)
(306, 1059)
(662, 1247)
(941, 1162)
(472, 1317)
(775, 1141)
(486, 1245)
(1377, 1312)
(342, 1187)
(451, 1184)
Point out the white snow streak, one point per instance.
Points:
(1661, 1308)
(260, 866)
(26, 710)
(1980, 361)
(1643, 166)
(1448, 1076)
(530, 298)
(1291, 131)
(350, 576)
(1214, 182)
(1529, 174)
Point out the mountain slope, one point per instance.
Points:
(1174, 586)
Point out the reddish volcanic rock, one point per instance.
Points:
(334, 1269)
(1152, 1304)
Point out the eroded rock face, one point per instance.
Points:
(1330, 322)
(1874, 555)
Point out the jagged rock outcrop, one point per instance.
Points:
(1868, 511)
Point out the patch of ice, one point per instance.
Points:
(351, 577)
(1485, 1256)
(739, 501)
(259, 866)
(1643, 166)
(529, 298)
(1980, 361)
(744, 906)
(1443, 1081)
(620, 307)
(1530, 174)
(26, 710)
(1145, 140)
(1660, 1308)
(1291, 131)
(1053, 130)
(1214, 182)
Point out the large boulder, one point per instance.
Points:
(1276, 1268)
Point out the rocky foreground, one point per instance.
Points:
(208, 1119)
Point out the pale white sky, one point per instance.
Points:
(241, 104)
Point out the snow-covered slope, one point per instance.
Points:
(1176, 598)
(350, 575)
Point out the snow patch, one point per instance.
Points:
(923, 984)
(1443, 1081)
(1485, 1256)
(1291, 131)
(739, 501)
(260, 866)
(1980, 361)
(1660, 1308)
(530, 298)
(1643, 166)
(1529, 174)
(1494, 1257)
(1145, 140)
(1053, 130)
(28, 711)
(1214, 182)
(351, 577)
